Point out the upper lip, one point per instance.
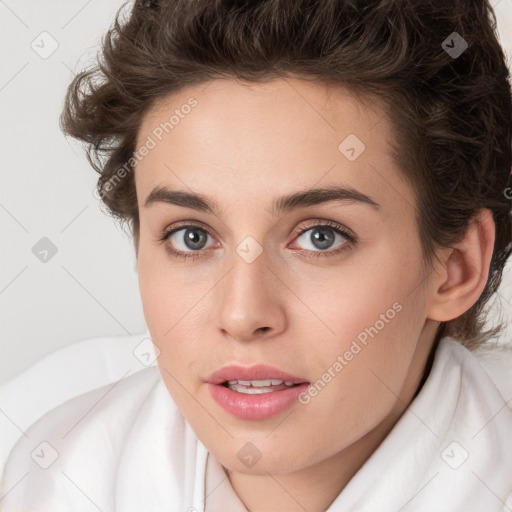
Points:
(257, 372)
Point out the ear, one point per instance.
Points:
(462, 274)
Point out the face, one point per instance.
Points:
(312, 307)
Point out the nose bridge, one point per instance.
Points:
(248, 276)
(248, 300)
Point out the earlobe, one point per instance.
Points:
(462, 275)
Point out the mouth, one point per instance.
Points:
(255, 393)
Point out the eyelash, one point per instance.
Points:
(351, 239)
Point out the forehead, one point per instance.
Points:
(240, 141)
(295, 106)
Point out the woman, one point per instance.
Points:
(318, 195)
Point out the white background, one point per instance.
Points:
(89, 288)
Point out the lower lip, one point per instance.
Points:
(256, 407)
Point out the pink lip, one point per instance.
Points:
(258, 372)
(254, 407)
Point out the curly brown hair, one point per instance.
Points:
(451, 114)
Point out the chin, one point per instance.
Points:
(259, 458)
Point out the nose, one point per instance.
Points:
(250, 301)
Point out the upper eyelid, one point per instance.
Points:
(329, 224)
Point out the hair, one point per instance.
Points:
(451, 116)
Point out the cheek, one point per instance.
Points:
(172, 318)
(372, 320)
(160, 290)
(365, 290)
(174, 308)
(357, 382)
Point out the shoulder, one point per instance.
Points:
(497, 362)
(78, 444)
(115, 402)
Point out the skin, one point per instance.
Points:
(243, 145)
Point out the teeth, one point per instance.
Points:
(260, 383)
(258, 387)
(249, 390)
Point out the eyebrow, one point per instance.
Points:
(281, 205)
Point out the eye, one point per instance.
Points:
(322, 236)
(185, 239)
(189, 241)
